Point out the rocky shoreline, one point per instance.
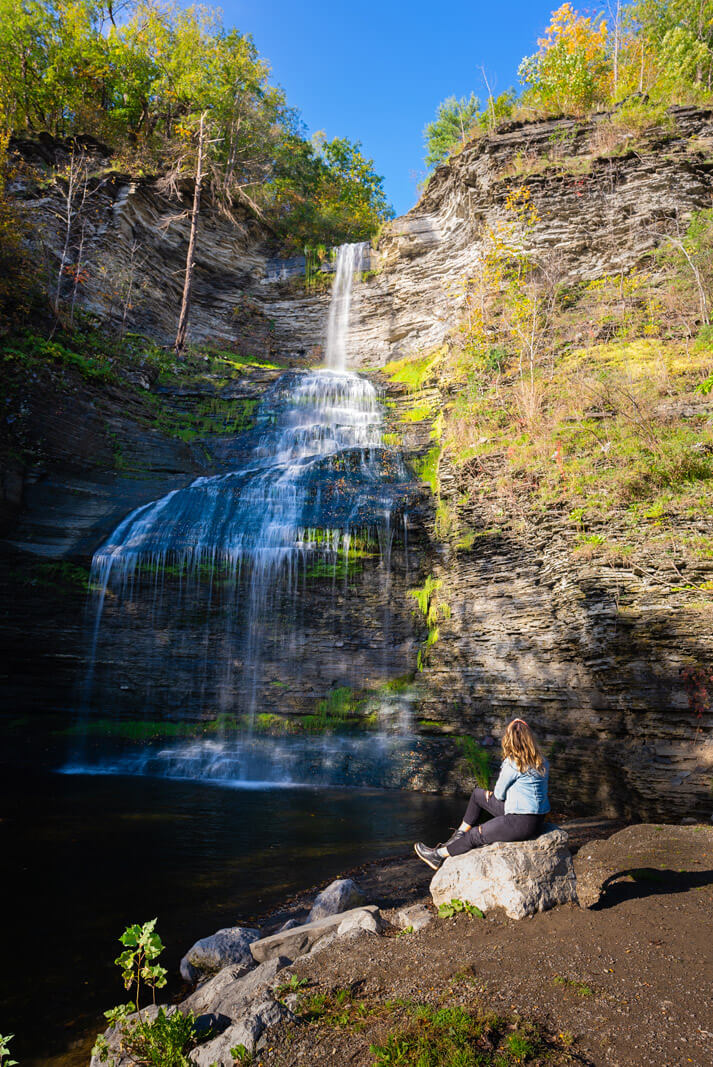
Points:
(377, 948)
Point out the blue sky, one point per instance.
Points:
(375, 72)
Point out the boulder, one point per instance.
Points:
(341, 895)
(522, 877)
(247, 1031)
(231, 990)
(300, 939)
(209, 955)
(359, 920)
(417, 916)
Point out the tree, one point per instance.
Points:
(678, 35)
(571, 70)
(190, 254)
(452, 126)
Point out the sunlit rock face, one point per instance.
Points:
(591, 657)
(592, 219)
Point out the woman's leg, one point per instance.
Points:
(501, 828)
(480, 802)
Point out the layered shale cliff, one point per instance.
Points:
(593, 652)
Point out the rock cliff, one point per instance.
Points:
(591, 653)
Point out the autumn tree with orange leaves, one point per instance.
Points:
(571, 71)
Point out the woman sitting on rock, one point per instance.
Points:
(518, 802)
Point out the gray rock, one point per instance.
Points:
(300, 940)
(340, 895)
(522, 877)
(360, 921)
(247, 1031)
(211, 954)
(417, 916)
(289, 925)
(232, 989)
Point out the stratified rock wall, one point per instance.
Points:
(591, 657)
(600, 206)
(590, 654)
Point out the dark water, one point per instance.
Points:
(82, 857)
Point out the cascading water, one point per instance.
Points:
(205, 587)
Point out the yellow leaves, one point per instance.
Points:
(575, 33)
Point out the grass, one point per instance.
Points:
(412, 1033)
(442, 1036)
(478, 759)
(581, 989)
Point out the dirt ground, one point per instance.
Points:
(626, 983)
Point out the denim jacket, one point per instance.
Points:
(524, 793)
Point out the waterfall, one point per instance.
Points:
(199, 596)
(350, 260)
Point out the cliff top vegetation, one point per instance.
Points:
(138, 76)
(644, 55)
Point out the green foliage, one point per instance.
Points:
(242, 1055)
(338, 710)
(478, 758)
(455, 1037)
(570, 72)
(451, 128)
(426, 468)
(5, 1051)
(458, 907)
(16, 275)
(142, 946)
(163, 1042)
(432, 610)
(141, 84)
(293, 986)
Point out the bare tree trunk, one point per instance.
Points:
(617, 22)
(77, 274)
(491, 102)
(190, 262)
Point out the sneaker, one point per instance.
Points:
(428, 855)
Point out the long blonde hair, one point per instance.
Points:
(519, 745)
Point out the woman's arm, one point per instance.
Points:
(508, 774)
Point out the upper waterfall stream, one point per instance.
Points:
(208, 603)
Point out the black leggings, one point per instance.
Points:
(500, 828)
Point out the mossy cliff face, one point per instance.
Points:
(573, 537)
(528, 612)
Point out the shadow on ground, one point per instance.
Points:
(649, 881)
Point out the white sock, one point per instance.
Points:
(443, 853)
